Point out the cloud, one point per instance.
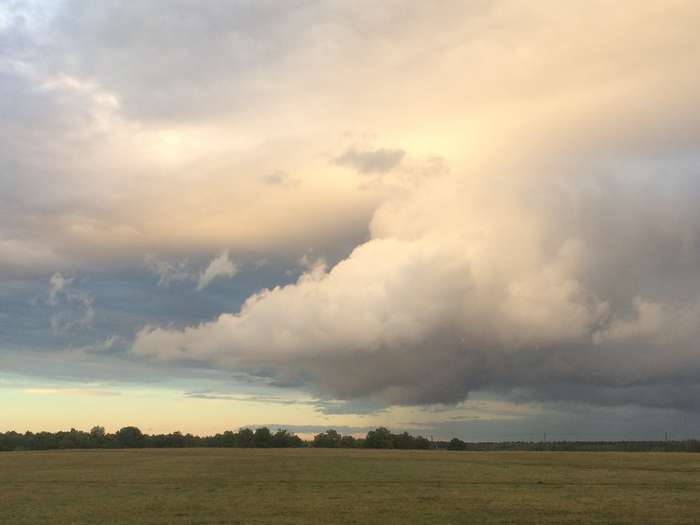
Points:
(182, 271)
(371, 161)
(219, 267)
(72, 308)
(243, 66)
(17, 256)
(551, 253)
(280, 179)
(173, 178)
(113, 344)
(57, 284)
(169, 272)
(323, 406)
(172, 162)
(53, 392)
(462, 288)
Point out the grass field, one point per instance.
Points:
(221, 486)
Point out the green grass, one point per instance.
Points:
(221, 486)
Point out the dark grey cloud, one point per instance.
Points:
(327, 407)
(556, 422)
(679, 393)
(371, 161)
(570, 422)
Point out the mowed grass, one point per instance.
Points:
(222, 486)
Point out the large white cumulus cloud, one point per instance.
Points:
(484, 283)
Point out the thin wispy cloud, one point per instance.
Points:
(72, 308)
(169, 272)
(371, 161)
(184, 271)
(221, 267)
(54, 392)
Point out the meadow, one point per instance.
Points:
(338, 486)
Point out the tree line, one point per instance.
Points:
(263, 437)
(380, 438)
(686, 445)
(133, 437)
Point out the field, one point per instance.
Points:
(253, 486)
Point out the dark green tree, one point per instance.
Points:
(228, 439)
(328, 439)
(347, 442)
(456, 444)
(245, 437)
(263, 437)
(130, 437)
(422, 443)
(379, 438)
(284, 439)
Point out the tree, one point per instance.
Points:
(403, 441)
(284, 439)
(130, 437)
(245, 438)
(347, 442)
(97, 432)
(262, 437)
(328, 439)
(229, 439)
(98, 436)
(176, 439)
(456, 444)
(379, 438)
(422, 443)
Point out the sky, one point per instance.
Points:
(473, 219)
